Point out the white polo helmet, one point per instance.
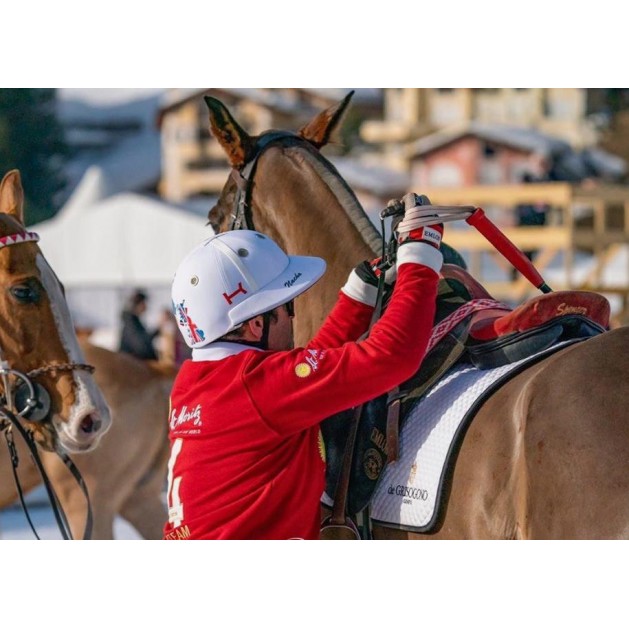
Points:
(232, 277)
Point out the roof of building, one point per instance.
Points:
(523, 138)
(568, 164)
(276, 99)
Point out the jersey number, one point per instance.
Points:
(175, 506)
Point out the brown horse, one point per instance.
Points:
(37, 338)
(126, 473)
(547, 456)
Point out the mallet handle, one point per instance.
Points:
(507, 249)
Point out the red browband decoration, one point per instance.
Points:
(16, 239)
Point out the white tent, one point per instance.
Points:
(102, 249)
(125, 240)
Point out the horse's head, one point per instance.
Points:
(242, 150)
(305, 183)
(37, 338)
(281, 185)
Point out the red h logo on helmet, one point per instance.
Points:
(240, 290)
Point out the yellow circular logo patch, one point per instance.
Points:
(303, 370)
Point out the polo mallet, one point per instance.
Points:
(423, 215)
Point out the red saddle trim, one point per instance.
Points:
(540, 310)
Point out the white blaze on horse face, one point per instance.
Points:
(89, 401)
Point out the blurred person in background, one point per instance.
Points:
(136, 339)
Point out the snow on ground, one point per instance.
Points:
(14, 526)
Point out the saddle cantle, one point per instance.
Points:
(540, 310)
(473, 328)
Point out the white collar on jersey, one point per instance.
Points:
(218, 351)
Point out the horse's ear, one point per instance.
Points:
(12, 195)
(235, 141)
(320, 129)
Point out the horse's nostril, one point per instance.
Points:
(89, 424)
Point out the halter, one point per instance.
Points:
(19, 389)
(242, 215)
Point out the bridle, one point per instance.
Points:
(22, 398)
(242, 217)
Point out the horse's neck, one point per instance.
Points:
(305, 216)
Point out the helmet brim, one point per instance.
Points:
(300, 274)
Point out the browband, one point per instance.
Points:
(19, 238)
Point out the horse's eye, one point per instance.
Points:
(25, 293)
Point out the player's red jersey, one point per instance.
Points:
(247, 459)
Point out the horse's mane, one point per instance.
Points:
(346, 197)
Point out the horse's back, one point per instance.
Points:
(547, 456)
(577, 441)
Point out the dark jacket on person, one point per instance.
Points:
(136, 339)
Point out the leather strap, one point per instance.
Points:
(393, 425)
(340, 495)
(55, 503)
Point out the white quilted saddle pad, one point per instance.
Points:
(409, 490)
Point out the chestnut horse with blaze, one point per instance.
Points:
(37, 337)
(547, 455)
(125, 474)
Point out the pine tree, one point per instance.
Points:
(31, 140)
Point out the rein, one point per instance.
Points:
(11, 422)
(34, 406)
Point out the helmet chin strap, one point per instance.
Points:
(266, 327)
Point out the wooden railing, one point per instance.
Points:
(592, 219)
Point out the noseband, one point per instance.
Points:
(242, 216)
(22, 398)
